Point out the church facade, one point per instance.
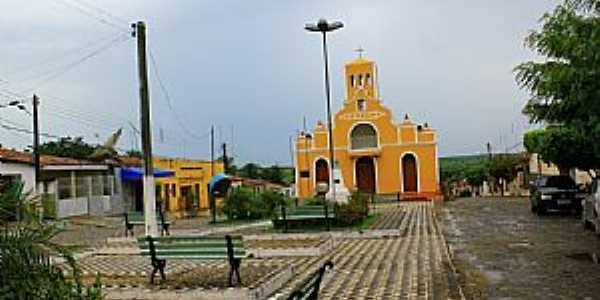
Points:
(374, 153)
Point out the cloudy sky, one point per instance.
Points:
(249, 69)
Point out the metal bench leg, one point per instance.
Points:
(129, 229)
(159, 266)
(235, 270)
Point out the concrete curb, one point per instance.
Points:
(263, 291)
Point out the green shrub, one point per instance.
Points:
(25, 245)
(354, 211)
(243, 204)
(313, 201)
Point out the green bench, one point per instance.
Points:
(306, 212)
(161, 249)
(309, 289)
(137, 219)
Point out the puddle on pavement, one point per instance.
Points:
(581, 256)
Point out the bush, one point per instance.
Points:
(354, 211)
(25, 246)
(244, 204)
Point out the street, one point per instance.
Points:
(503, 251)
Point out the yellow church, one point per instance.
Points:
(374, 153)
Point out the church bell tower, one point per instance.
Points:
(361, 79)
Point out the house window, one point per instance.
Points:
(361, 105)
(64, 188)
(82, 187)
(97, 189)
(107, 186)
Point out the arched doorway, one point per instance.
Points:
(321, 171)
(365, 175)
(409, 173)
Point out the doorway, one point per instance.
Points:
(321, 171)
(409, 173)
(365, 175)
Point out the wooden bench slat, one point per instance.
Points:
(189, 238)
(191, 250)
(188, 246)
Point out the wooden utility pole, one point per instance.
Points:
(225, 161)
(213, 203)
(149, 188)
(36, 142)
(212, 151)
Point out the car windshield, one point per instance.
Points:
(562, 182)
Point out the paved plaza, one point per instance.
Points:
(402, 256)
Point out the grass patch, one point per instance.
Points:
(366, 222)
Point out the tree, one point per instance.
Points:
(134, 153)
(272, 173)
(563, 146)
(231, 168)
(250, 170)
(565, 86)
(68, 147)
(504, 167)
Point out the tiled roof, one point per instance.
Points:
(9, 155)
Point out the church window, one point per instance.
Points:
(363, 136)
(368, 79)
(352, 80)
(361, 105)
(360, 80)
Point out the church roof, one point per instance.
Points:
(360, 61)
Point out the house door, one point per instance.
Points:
(321, 171)
(409, 173)
(365, 175)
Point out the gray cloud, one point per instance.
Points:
(251, 65)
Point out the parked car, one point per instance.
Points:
(558, 192)
(591, 208)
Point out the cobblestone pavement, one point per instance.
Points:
(503, 251)
(413, 266)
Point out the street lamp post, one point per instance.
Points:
(324, 27)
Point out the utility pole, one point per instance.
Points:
(211, 197)
(225, 162)
(36, 141)
(212, 151)
(149, 188)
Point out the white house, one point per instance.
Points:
(69, 187)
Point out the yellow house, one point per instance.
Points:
(186, 192)
(374, 153)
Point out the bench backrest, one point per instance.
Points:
(309, 289)
(139, 217)
(310, 210)
(192, 247)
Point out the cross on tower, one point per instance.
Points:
(360, 51)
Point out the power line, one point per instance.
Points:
(55, 58)
(101, 11)
(56, 73)
(27, 131)
(96, 17)
(167, 98)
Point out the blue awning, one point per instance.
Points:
(219, 183)
(134, 174)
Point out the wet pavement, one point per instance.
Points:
(503, 251)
